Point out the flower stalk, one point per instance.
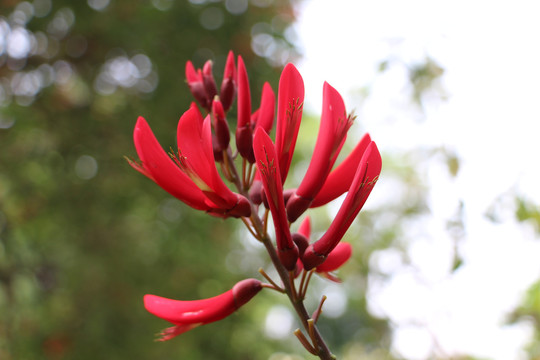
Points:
(255, 173)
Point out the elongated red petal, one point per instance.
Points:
(244, 96)
(189, 314)
(266, 158)
(267, 110)
(340, 179)
(195, 147)
(332, 134)
(244, 133)
(365, 179)
(163, 170)
(289, 115)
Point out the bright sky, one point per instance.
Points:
(490, 53)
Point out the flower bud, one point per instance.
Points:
(219, 123)
(209, 82)
(241, 209)
(228, 85)
(256, 191)
(196, 86)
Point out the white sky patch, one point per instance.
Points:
(279, 322)
(491, 118)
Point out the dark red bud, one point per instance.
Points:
(288, 257)
(242, 208)
(221, 128)
(255, 192)
(209, 82)
(195, 82)
(264, 199)
(244, 143)
(218, 152)
(296, 206)
(228, 85)
(301, 242)
(198, 92)
(287, 193)
(245, 290)
(312, 259)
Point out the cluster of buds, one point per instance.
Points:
(256, 169)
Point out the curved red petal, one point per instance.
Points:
(337, 257)
(289, 115)
(305, 227)
(195, 147)
(332, 134)
(206, 310)
(244, 96)
(340, 179)
(267, 109)
(193, 311)
(365, 179)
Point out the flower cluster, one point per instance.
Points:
(256, 169)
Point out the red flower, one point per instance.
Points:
(186, 315)
(195, 180)
(365, 178)
(158, 166)
(332, 134)
(196, 159)
(266, 157)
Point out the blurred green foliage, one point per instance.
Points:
(82, 236)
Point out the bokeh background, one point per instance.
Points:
(83, 237)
